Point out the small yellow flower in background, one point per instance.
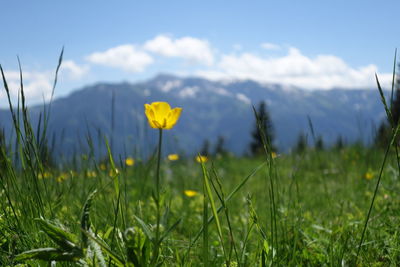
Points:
(113, 173)
(368, 175)
(161, 116)
(63, 176)
(274, 155)
(201, 159)
(173, 157)
(129, 161)
(190, 193)
(103, 167)
(46, 174)
(91, 174)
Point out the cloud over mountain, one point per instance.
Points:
(294, 68)
(189, 48)
(125, 57)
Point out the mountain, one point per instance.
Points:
(210, 109)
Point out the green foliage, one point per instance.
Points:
(220, 148)
(319, 143)
(205, 148)
(339, 144)
(319, 205)
(383, 134)
(262, 129)
(301, 144)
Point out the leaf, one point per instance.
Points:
(85, 218)
(132, 258)
(207, 188)
(146, 229)
(49, 254)
(266, 246)
(64, 239)
(97, 253)
(109, 252)
(115, 173)
(170, 229)
(388, 112)
(132, 244)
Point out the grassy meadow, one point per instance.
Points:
(316, 207)
(303, 209)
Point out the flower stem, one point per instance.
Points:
(157, 199)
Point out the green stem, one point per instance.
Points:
(157, 241)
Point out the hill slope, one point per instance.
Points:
(210, 109)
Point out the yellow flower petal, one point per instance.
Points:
(190, 193)
(173, 157)
(200, 159)
(150, 115)
(161, 111)
(173, 117)
(368, 175)
(129, 161)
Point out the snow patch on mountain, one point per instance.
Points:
(169, 85)
(243, 98)
(189, 92)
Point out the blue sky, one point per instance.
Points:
(310, 44)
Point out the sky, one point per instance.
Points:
(308, 44)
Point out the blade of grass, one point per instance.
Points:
(229, 197)
(221, 195)
(392, 141)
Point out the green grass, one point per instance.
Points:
(321, 201)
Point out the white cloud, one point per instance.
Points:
(320, 72)
(73, 70)
(37, 86)
(270, 46)
(191, 49)
(125, 57)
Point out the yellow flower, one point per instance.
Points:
(46, 174)
(91, 174)
(274, 155)
(129, 161)
(190, 193)
(103, 167)
(200, 159)
(173, 157)
(368, 175)
(113, 173)
(161, 116)
(63, 176)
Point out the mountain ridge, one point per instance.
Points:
(210, 109)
